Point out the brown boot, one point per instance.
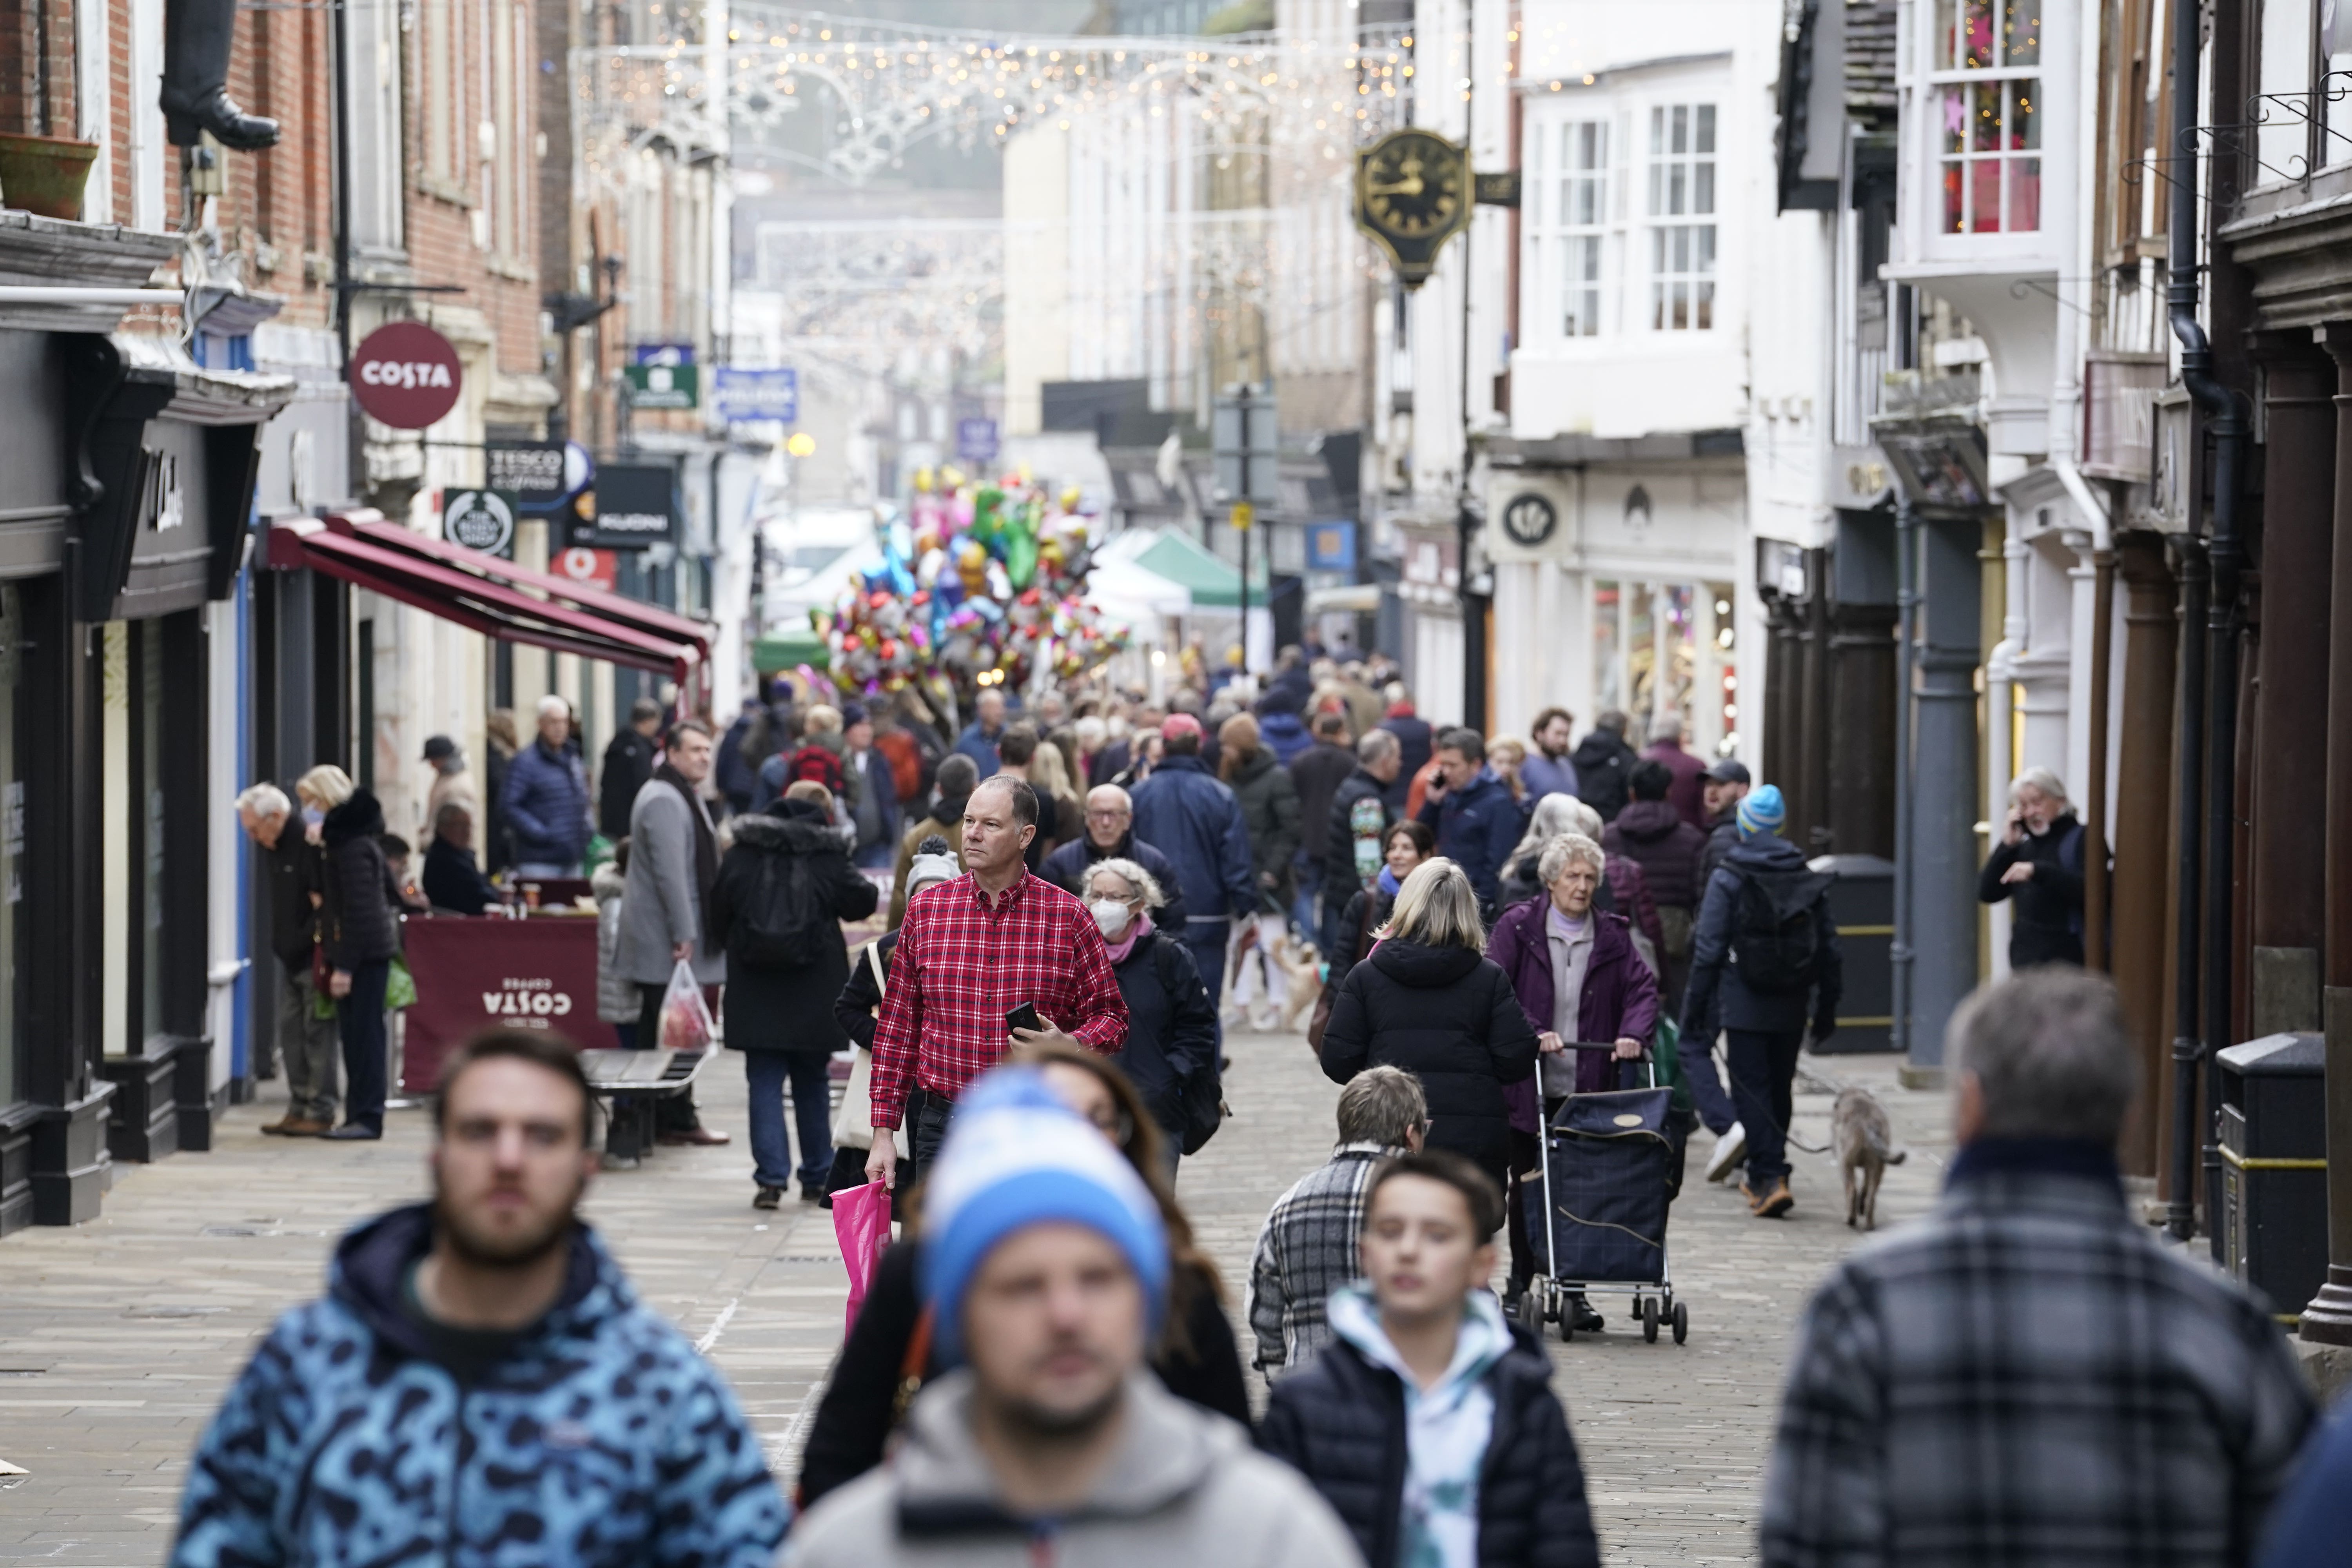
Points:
(1774, 1204)
(298, 1127)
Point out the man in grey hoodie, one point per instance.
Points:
(1045, 1269)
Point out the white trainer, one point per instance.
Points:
(1729, 1147)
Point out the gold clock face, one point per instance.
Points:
(1413, 186)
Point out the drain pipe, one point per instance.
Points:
(2227, 413)
(1906, 600)
(2188, 830)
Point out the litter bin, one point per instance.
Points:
(2273, 1138)
(1862, 902)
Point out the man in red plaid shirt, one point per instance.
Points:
(971, 952)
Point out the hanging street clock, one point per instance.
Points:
(1413, 192)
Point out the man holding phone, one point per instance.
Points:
(996, 958)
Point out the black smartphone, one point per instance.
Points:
(1024, 1016)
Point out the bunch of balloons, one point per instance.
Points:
(981, 584)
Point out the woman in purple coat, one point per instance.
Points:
(1577, 978)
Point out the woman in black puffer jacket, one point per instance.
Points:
(359, 928)
(1429, 1001)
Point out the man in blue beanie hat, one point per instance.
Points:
(1046, 1270)
(1764, 960)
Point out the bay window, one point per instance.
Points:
(1681, 195)
(1987, 94)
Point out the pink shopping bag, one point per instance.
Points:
(861, 1220)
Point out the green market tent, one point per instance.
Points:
(775, 655)
(1213, 585)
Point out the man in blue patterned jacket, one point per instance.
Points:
(480, 1386)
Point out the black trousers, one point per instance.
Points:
(1763, 1089)
(675, 1112)
(928, 1130)
(359, 1016)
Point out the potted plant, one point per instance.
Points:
(44, 174)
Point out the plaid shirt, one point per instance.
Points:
(961, 966)
(2026, 1378)
(1307, 1250)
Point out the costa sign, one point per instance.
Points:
(406, 375)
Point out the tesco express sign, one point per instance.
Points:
(405, 376)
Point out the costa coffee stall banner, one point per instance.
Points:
(405, 376)
(485, 974)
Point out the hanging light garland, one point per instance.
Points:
(887, 88)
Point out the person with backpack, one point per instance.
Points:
(2038, 867)
(1764, 961)
(782, 891)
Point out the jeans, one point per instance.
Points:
(547, 870)
(1207, 939)
(1714, 1107)
(360, 1015)
(877, 857)
(1763, 1084)
(307, 1044)
(1302, 907)
(767, 1072)
(930, 1129)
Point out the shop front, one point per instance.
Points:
(126, 485)
(1622, 584)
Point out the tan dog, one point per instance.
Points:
(1303, 967)
(1865, 1146)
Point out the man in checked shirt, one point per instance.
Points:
(971, 952)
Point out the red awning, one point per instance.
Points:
(482, 603)
(667, 624)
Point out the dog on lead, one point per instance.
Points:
(1864, 1142)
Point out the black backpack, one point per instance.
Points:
(782, 922)
(1775, 940)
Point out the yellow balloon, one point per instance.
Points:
(922, 481)
(1070, 499)
(950, 479)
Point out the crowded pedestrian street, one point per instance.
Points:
(117, 1341)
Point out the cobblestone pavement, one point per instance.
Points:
(117, 1339)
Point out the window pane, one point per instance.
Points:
(1956, 119)
(1657, 188)
(1657, 306)
(1984, 196)
(1702, 188)
(1705, 249)
(1984, 108)
(1976, 36)
(1682, 128)
(2024, 125)
(1657, 131)
(1706, 128)
(1682, 307)
(2021, 32)
(1948, 23)
(1705, 306)
(2025, 194)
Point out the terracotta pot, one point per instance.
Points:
(44, 174)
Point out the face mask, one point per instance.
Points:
(312, 816)
(1110, 917)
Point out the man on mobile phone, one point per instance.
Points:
(972, 953)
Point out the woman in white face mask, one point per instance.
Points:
(1172, 1029)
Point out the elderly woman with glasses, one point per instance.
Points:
(1578, 977)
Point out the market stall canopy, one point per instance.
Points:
(1212, 583)
(489, 595)
(1132, 594)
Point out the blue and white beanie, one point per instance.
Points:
(1761, 811)
(1015, 1156)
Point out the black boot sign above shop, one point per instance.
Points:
(406, 375)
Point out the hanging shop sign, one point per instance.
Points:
(528, 470)
(479, 520)
(633, 506)
(405, 376)
(664, 386)
(591, 568)
(771, 393)
(976, 440)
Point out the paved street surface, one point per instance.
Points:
(117, 1339)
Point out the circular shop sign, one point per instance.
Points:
(1530, 519)
(405, 376)
(479, 520)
